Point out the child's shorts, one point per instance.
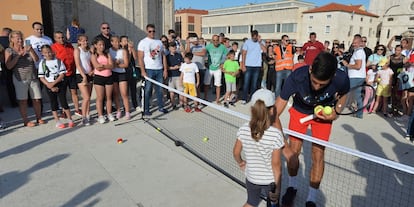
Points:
(230, 87)
(189, 88)
(384, 90)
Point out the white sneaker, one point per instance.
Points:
(111, 117)
(101, 119)
(138, 109)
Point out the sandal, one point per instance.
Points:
(29, 124)
(41, 121)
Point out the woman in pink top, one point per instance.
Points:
(102, 62)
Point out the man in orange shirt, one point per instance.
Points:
(64, 52)
(284, 62)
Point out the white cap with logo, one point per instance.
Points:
(267, 96)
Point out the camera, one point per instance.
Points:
(398, 37)
(346, 56)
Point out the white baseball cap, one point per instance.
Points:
(267, 96)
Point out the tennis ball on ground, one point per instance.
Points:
(318, 109)
(205, 139)
(327, 110)
(158, 129)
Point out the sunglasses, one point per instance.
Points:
(364, 41)
(380, 48)
(336, 47)
(106, 28)
(151, 31)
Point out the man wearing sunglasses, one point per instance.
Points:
(105, 34)
(153, 64)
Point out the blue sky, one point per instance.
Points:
(215, 4)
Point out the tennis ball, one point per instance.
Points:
(379, 79)
(327, 110)
(159, 129)
(205, 139)
(318, 109)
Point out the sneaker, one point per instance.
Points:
(138, 109)
(41, 121)
(127, 116)
(60, 125)
(187, 109)
(118, 115)
(164, 111)
(147, 114)
(111, 117)
(71, 124)
(243, 102)
(289, 196)
(101, 119)
(196, 109)
(85, 122)
(175, 107)
(78, 112)
(310, 204)
(226, 104)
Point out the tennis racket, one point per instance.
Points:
(364, 94)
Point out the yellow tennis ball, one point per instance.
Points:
(327, 110)
(159, 129)
(205, 139)
(318, 109)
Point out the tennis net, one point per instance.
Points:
(351, 178)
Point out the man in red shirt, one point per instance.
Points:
(312, 48)
(64, 52)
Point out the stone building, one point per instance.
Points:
(126, 17)
(188, 21)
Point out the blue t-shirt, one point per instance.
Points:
(305, 99)
(74, 32)
(173, 60)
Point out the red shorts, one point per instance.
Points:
(320, 129)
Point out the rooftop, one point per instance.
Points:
(357, 9)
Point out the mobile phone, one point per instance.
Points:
(27, 42)
(398, 37)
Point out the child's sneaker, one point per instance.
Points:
(60, 125)
(196, 109)
(187, 109)
(127, 116)
(78, 112)
(111, 117)
(226, 104)
(118, 115)
(101, 119)
(71, 124)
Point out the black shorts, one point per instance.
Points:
(70, 81)
(102, 81)
(119, 77)
(79, 78)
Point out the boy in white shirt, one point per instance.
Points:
(190, 79)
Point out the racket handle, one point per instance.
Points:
(307, 118)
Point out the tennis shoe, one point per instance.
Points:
(162, 110)
(118, 115)
(187, 109)
(60, 125)
(289, 197)
(78, 112)
(71, 124)
(196, 109)
(101, 119)
(310, 204)
(111, 117)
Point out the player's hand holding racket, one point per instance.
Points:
(345, 104)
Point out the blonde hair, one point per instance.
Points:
(261, 119)
(12, 33)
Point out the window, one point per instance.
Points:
(218, 30)
(278, 29)
(310, 29)
(412, 18)
(362, 19)
(390, 19)
(205, 30)
(191, 27)
(289, 27)
(370, 20)
(360, 30)
(370, 31)
(178, 19)
(190, 19)
(328, 16)
(239, 29)
(310, 17)
(388, 33)
(327, 29)
(350, 31)
(265, 28)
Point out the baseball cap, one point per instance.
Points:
(267, 96)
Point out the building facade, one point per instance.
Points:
(339, 22)
(188, 22)
(396, 17)
(272, 20)
(126, 17)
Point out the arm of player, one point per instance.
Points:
(277, 173)
(237, 154)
